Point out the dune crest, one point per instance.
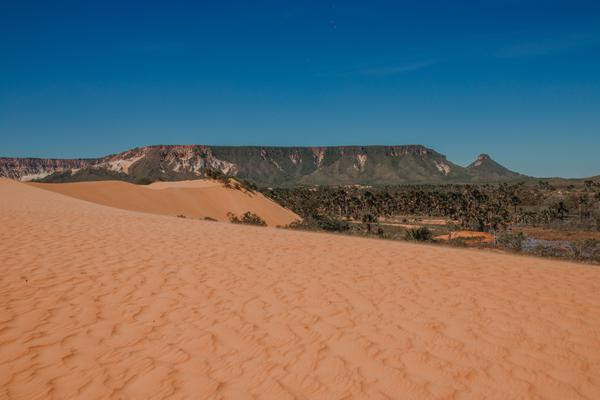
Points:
(98, 302)
(193, 199)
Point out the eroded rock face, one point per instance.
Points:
(480, 160)
(26, 169)
(268, 166)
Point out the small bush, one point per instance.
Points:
(238, 184)
(302, 225)
(248, 218)
(588, 249)
(549, 251)
(210, 219)
(511, 241)
(143, 181)
(332, 224)
(321, 222)
(422, 234)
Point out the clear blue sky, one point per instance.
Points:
(517, 79)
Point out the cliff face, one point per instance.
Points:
(339, 165)
(37, 168)
(268, 166)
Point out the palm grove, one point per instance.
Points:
(473, 207)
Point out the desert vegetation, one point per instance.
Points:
(230, 182)
(422, 234)
(515, 215)
(248, 218)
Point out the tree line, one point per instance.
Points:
(474, 207)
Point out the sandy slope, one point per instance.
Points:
(194, 199)
(98, 302)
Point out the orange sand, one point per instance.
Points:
(471, 236)
(99, 303)
(193, 199)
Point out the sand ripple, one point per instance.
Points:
(102, 303)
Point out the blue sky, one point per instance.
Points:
(519, 80)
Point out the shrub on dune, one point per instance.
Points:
(248, 218)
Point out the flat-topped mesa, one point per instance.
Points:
(264, 165)
(415, 149)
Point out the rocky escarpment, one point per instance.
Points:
(27, 169)
(267, 166)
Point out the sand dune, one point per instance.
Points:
(98, 303)
(194, 199)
